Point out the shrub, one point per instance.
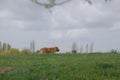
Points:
(113, 51)
(38, 51)
(25, 51)
(11, 51)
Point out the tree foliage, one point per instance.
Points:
(74, 48)
(32, 46)
(4, 46)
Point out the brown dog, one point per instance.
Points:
(49, 50)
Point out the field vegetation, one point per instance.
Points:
(61, 66)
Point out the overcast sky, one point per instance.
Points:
(22, 21)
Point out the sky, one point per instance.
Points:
(22, 21)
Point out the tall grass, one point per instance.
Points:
(62, 67)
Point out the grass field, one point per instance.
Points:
(61, 67)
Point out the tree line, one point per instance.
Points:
(88, 48)
(6, 49)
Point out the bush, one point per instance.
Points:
(113, 51)
(11, 51)
(38, 51)
(25, 51)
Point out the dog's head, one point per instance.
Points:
(56, 49)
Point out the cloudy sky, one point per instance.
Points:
(22, 21)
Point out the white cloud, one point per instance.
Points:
(4, 14)
(116, 27)
(18, 24)
(56, 34)
(62, 18)
(75, 33)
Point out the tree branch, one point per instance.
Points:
(51, 3)
(63, 2)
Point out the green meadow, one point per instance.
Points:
(61, 67)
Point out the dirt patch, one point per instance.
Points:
(5, 69)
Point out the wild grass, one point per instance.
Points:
(61, 67)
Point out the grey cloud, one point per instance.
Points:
(72, 22)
